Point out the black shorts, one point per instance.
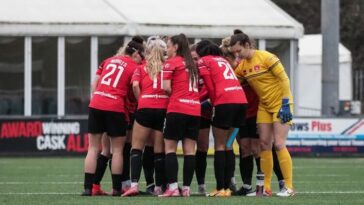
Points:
(250, 129)
(100, 121)
(226, 116)
(131, 121)
(179, 126)
(204, 123)
(151, 118)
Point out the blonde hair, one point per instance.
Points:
(155, 49)
(225, 48)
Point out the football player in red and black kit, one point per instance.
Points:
(150, 115)
(107, 113)
(180, 78)
(204, 133)
(228, 99)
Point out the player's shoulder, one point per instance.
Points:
(266, 55)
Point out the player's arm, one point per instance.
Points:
(94, 83)
(135, 83)
(239, 73)
(96, 80)
(278, 71)
(167, 86)
(167, 74)
(208, 83)
(285, 113)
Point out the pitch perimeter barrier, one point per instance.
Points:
(31, 136)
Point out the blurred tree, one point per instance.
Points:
(308, 12)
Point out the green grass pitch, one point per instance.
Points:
(60, 180)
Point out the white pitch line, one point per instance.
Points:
(70, 193)
(142, 182)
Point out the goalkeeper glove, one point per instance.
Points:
(285, 113)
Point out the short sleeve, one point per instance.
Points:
(239, 72)
(100, 68)
(203, 68)
(137, 74)
(168, 70)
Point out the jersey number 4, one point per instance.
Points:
(111, 68)
(228, 72)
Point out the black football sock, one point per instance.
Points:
(229, 167)
(219, 167)
(188, 169)
(136, 164)
(257, 163)
(148, 164)
(171, 167)
(100, 168)
(126, 163)
(201, 164)
(159, 164)
(246, 169)
(116, 182)
(89, 179)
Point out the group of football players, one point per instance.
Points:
(153, 94)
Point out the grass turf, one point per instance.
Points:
(60, 181)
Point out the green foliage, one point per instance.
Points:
(308, 12)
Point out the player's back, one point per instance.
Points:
(185, 96)
(115, 75)
(152, 95)
(227, 86)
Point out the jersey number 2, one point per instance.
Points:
(106, 80)
(228, 72)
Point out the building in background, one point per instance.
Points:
(49, 50)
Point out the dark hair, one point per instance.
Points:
(242, 38)
(206, 47)
(237, 31)
(135, 45)
(184, 51)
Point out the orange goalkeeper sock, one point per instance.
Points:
(285, 162)
(266, 163)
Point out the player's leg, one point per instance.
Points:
(116, 128)
(277, 169)
(159, 154)
(201, 154)
(102, 161)
(126, 182)
(159, 162)
(246, 164)
(189, 143)
(139, 137)
(285, 160)
(96, 127)
(173, 131)
(148, 165)
(91, 162)
(117, 147)
(188, 164)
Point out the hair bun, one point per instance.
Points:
(237, 31)
(138, 39)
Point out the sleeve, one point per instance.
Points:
(168, 70)
(205, 75)
(136, 75)
(276, 67)
(239, 72)
(100, 68)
